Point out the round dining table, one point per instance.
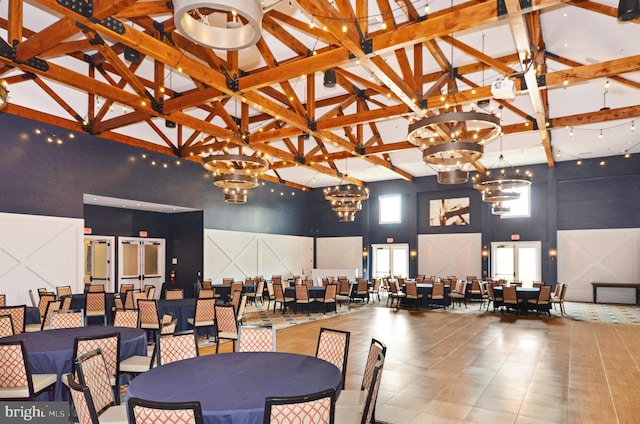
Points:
(51, 351)
(232, 387)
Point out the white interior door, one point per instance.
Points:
(141, 261)
(390, 259)
(99, 265)
(516, 261)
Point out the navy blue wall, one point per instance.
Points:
(37, 177)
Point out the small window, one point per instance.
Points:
(520, 208)
(390, 209)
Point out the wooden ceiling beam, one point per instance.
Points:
(16, 17)
(483, 58)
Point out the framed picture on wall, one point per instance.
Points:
(444, 212)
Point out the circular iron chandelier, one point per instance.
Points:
(500, 186)
(453, 176)
(346, 200)
(225, 26)
(499, 208)
(235, 175)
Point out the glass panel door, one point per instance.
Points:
(141, 261)
(516, 261)
(98, 263)
(390, 259)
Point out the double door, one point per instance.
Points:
(141, 261)
(516, 261)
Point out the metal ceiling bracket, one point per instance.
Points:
(367, 46)
(113, 24)
(542, 80)
(6, 50)
(312, 124)
(84, 8)
(502, 7)
(360, 150)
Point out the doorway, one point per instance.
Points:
(390, 259)
(519, 261)
(141, 261)
(99, 252)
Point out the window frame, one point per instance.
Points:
(511, 215)
(384, 199)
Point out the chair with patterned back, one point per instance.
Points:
(411, 291)
(92, 370)
(302, 297)
(207, 285)
(66, 302)
(85, 408)
(43, 290)
(363, 414)
(437, 295)
(279, 297)
(45, 322)
(358, 397)
(537, 284)
(17, 316)
(493, 298)
(126, 318)
(16, 380)
(147, 289)
(149, 316)
(256, 338)
(150, 412)
(174, 294)
(95, 305)
(206, 294)
(362, 289)
(96, 288)
(177, 346)
(333, 347)
(344, 292)
(510, 299)
(460, 293)
(314, 408)
(328, 300)
(125, 288)
(118, 302)
(45, 298)
(129, 301)
(63, 291)
(236, 287)
(6, 326)
(109, 347)
(227, 281)
(67, 318)
(226, 324)
(204, 315)
(542, 303)
(241, 309)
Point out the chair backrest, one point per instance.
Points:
(236, 287)
(205, 309)
(372, 394)
(42, 290)
(509, 293)
(17, 316)
(206, 284)
(129, 302)
(109, 347)
(278, 292)
(6, 326)
(92, 372)
(45, 298)
(377, 353)
(241, 308)
(150, 412)
(168, 326)
(492, 296)
(256, 338)
(345, 288)
(475, 287)
(226, 319)
(67, 318)
(235, 298)
(272, 293)
(333, 347)
(411, 289)
(249, 281)
(66, 302)
(118, 302)
(96, 288)
(545, 294)
(537, 284)
(148, 312)
(462, 287)
(126, 318)
(95, 303)
(260, 288)
(47, 320)
(330, 292)
(147, 288)
(558, 290)
(564, 291)
(302, 293)
(174, 294)
(362, 286)
(63, 291)
(82, 402)
(151, 293)
(314, 408)
(177, 346)
(125, 288)
(393, 287)
(228, 281)
(206, 294)
(15, 368)
(437, 290)
(276, 279)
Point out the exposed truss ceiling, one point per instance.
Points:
(391, 57)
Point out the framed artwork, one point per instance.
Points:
(444, 212)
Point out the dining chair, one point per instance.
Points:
(333, 347)
(176, 347)
(6, 326)
(207, 285)
(174, 294)
(206, 294)
(96, 288)
(109, 347)
(363, 414)
(542, 302)
(118, 302)
(258, 293)
(302, 297)
(129, 301)
(459, 294)
(45, 298)
(66, 302)
(314, 408)
(328, 300)
(493, 298)
(85, 408)
(374, 290)
(204, 315)
(63, 291)
(395, 293)
(256, 338)
(344, 292)
(43, 290)
(67, 318)
(126, 318)
(143, 411)
(558, 296)
(411, 292)
(362, 289)
(92, 370)
(46, 321)
(241, 309)
(279, 297)
(236, 287)
(226, 325)
(17, 381)
(148, 288)
(437, 294)
(95, 305)
(227, 281)
(125, 288)
(510, 299)
(357, 398)
(17, 316)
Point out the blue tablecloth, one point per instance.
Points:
(232, 387)
(78, 301)
(425, 289)
(51, 351)
(224, 290)
(524, 293)
(181, 309)
(314, 292)
(32, 315)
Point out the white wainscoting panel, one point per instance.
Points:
(608, 255)
(339, 252)
(235, 254)
(39, 251)
(450, 254)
